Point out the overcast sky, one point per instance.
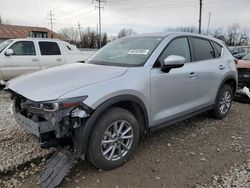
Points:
(140, 15)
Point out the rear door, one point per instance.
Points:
(210, 69)
(50, 54)
(24, 60)
(173, 94)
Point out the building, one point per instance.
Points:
(16, 31)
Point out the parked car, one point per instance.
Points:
(247, 57)
(243, 67)
(20, 56)
(131, 86)
(238, 52)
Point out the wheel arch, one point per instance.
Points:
(229, 80)
(129, 102)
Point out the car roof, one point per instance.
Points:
(166, 34)
(35, 39)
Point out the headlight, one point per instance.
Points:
(61, 104)
(50, 107)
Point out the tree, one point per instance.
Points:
(70, 34)
(233, 34)
(219, 34)
(89, 39)
(104, 39)
(244, 37)
(1, 19)
(189, 29)
(126, 32)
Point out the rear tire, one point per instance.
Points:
(113, 139)
(223, 102)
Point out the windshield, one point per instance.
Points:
(4, 44)
(128, 52)
(247, 57)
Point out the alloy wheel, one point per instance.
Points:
(117, 140)
(225, 102)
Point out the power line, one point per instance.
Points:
(99, 7)
(51, 18)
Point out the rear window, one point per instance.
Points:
(49, 48)
(203, 49)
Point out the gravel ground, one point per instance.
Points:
(199, 152)
(237, 176)
(17, 146)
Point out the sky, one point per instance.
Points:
(141, 15)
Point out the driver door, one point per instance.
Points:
(23, 60)
(173, 94)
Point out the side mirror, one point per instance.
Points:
(9, 52)
(171, 62)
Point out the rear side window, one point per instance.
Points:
(49, 48)
(202, 49)
(23, 48)
(217, 48)
(178, 47)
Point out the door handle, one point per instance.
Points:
(222, 67)
(34, 60)
(192, 75)
(58, 59)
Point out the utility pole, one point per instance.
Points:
(99, 7)
(97, 29)
(208, 24)
(51, 18)
(79, 28)
(200, 17)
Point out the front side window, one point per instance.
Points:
(4, 44)
(127, 51)
(203, 49)
(49, 48)
(178, 47)
(23, 48)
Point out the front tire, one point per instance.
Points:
(223, 102)
(113, 139)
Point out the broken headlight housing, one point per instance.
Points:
(62, 104)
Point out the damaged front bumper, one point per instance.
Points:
(53, 122)
(36, 128)
(243, 95)
(54, 128)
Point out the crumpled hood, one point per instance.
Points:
(52, 83)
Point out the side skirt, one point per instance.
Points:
(179, 119)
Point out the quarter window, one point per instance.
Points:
(218, 49)
(202, 49)
(178, 47)
(49, 48)
(23, 48)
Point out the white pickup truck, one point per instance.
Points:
(21, 56)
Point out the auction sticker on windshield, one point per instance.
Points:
(138, 52)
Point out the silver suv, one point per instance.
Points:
(131, 86)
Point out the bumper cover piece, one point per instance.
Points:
(56, 168)
(36, 128)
